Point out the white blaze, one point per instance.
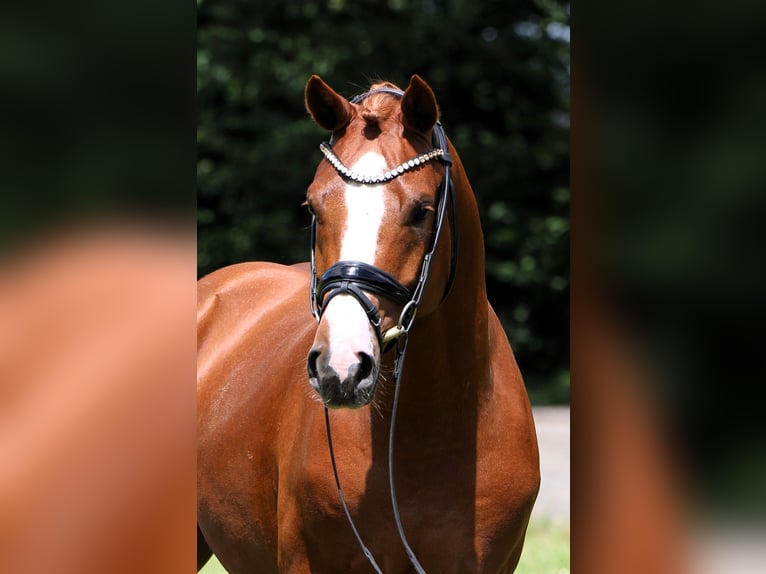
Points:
(365, 205)
(350, 330)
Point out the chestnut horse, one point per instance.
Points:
(397, 264)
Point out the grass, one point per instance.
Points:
(213, 567)
(546, 550)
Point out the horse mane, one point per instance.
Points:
(377, 108)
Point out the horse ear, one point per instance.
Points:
(419, 108)
(329, 110)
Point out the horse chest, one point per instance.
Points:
(435, 493)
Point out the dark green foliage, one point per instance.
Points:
(501, 74)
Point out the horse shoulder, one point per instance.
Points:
(254, 328)
(260, 278)
(254, 331)
(250, 296)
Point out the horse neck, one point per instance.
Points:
(448, 351)
(467, 302)
(464, 312)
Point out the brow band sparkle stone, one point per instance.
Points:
(377, 179)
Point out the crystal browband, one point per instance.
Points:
(377, 179)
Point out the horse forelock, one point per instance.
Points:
(376, 108)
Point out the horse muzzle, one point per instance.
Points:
(344, 362)
(353, 389)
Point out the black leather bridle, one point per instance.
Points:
(357, 277)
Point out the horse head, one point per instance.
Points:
(378, 201)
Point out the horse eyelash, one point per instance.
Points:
(420, 212)
(308, 206)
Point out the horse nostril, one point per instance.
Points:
(363, 368)
(311, 363)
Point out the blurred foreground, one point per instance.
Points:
(97, 288)
(669, 448)
(97, 403)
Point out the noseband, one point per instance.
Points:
(355, 277)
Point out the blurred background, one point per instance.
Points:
(668, 160)
(500, 72)
(97, 287)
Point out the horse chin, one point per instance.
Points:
(337, 396)
(336, 399)
(348, 406)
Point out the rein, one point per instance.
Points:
(355, 277)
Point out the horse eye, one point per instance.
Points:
(419, 213)
(309, 207)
